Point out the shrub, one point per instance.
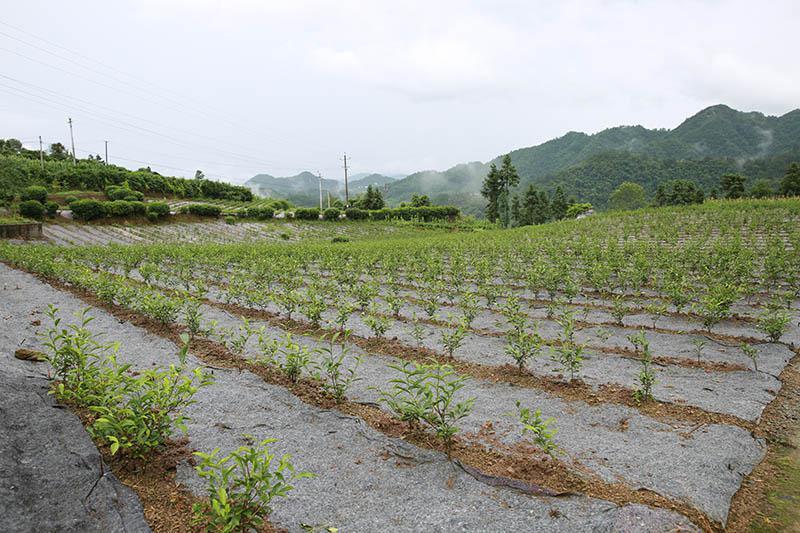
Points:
(115, 192)
(51, 208)
(340, 238)
(204, 210)
(157, 210)
(241, 487)
(88, 209)
(69, 199)
(32, 209)
(118, 208)
(540, 429)
(354, 213)
(425, 393)
(34, 192)
(307, 213)
(260, 213)
(331, 213)
(230, 219)
(144, 419)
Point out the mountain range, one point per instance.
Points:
(713, 142)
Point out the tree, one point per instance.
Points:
(420, 200)
(508, 179)
(559, 204)
(497, 190)
(732, 186)
(533, 208)
(372, 199)
(58, 152)
(491, 191)
(790, 184)
(761, 189)
(679, 192)
(198, 175)
(627, 196)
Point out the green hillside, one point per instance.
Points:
(715, 141)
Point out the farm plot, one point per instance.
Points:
(655, 352)
(216, 231)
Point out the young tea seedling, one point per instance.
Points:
(242, 486)
(540, 429)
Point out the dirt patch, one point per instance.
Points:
(769, 498)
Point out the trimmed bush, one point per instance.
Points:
(51, 208)
(261, 213)
(118, 208)
(32, 209)
(331, 213)
(88, 209)
(230, 219)
(204, 210)
(135, 196)
(307, 213)
(69, 199)
(157, 210)
(354, 213)
(425, 214)
(116, 192)
(34, 192)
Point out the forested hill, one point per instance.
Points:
(715, 141)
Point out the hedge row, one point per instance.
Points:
(426, 213)
(94, 209)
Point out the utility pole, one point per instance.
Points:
(320, 190)
(41, 152)
(72, 139)
(346, 190)
(106, 152)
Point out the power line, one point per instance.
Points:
(127, 125)
(205, 111)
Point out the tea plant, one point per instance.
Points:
(242, 486)
(568, 353)
(698, 344)
(619, 309)
(268, 348)
(540, 429)
(153, 403)
(523, 346)
(337, 379)
(344, 309)
(192, 317)
(453, 338)
(774, 322)
(417, 330)
(646, 376)
(236, 339)
(426, 393)
(752, 353)
(296, 358)
(376, 322)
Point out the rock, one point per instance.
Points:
(30, 355)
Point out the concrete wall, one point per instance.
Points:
(31, 230)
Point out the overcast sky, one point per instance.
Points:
(240, 87)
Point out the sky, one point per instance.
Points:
(243, 87)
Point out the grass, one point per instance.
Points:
(14, 219)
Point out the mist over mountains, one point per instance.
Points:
(713, 142)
